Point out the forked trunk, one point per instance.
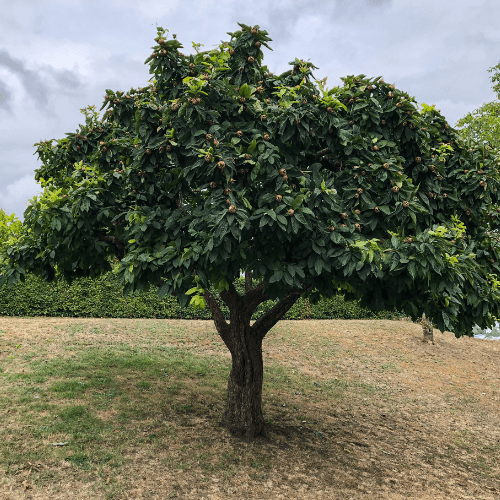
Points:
(243, 412)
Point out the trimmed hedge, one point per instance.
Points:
(103, 298)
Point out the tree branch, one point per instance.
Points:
(266, 322)
(219, 320)
(116, 246)
(323, 152)
(248, 280)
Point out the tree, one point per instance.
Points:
(219, 165)
(482, 126)
(10, 227)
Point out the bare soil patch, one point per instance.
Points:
(358, 409)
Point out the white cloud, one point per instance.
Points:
(14, 197)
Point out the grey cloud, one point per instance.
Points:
(30, 80)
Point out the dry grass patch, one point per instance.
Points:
(355, 409)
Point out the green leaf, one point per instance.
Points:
(252, 146)
(245, 91)
(192, 290)
(297, 202)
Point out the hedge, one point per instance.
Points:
(103, 298)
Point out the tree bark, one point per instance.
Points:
(243, 409)
(427, 330)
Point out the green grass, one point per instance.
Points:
(102, 400)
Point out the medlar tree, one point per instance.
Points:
(219, 165)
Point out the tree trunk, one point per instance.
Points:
(427, 330)
(243, 410)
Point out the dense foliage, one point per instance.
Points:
(219, 165)
(10, 229)
(102, 297)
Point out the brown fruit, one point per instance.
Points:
(363, 172)
(344, 216)
(467, 212)
(482, 183)
(239, 133)
(267, 137)
(227, 191)
(331, 228)
(356, 196)
(213, 184)
(408, 240)
(278, 197)
(351, 122)
(399, 105)
(169, 147)
(254, 31)
(258, 44)
(251, 60)
(282, 171)
(418, 159)
(390, 95)
(342, 225)
(231, 52)
(445, 195)
(395, 189)
(290, 212)
(296, 121)
(356, 176)
(263, 118)
(386, 166)
(209, 137)
(161, 41)
(440, 178)
(383, 122)
(175, 106)
(375, 148)
(406, 204)
(228, 202)
(242, 171)
(221, 165)
(405, 123)
(329, 109)
(285, 178)
(357, 212)
(232, 209)
(480, 172)
(208, 157)
(232, 181)
(241, 100)
(376, 210)
(357, 226)
(247, 157)
(360, 190)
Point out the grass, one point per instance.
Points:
(90, 400)
(104, 400)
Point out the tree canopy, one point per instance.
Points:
(10, 229)
(220, 165)
(481, 127)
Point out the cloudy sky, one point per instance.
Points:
(59, 56)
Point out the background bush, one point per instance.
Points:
(103, 298)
